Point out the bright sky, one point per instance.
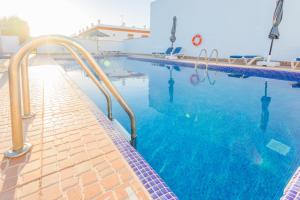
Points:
(69, 16)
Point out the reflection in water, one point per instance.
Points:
(124, 82)
(296, 85)
(171, 83)
(265, 102)
(209, 79)
(195, 78)
(238, 75)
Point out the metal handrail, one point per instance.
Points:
(207, 59)
(93, 78)
(25, 87)
(216, 52)
(200, 54)
(18, 146)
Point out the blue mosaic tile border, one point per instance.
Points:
(157, 188)
(259, 72)
(292, 190)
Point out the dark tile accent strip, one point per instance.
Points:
(264, 73)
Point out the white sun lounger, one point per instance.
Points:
(294, 64)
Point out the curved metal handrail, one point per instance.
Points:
(207, 59)
(216, 52)
(93, 78)
(25, 87)
(200, 54)
(19, 147)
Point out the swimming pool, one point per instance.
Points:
(230, 134)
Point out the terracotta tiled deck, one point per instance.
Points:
(72, 156)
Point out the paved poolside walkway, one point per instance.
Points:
(72, 157)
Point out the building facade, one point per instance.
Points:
(113, 33)
(231, 26)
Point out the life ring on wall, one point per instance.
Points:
(194, 79)
(197, 40)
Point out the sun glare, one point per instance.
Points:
(46, 17)
(69, 16)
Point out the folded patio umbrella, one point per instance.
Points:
(173, 31)
(274, 33)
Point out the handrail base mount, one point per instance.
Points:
(15, 154)
(29, 116)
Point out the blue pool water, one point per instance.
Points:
(220, 137)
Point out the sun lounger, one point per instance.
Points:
(175, 54)
(177, 51)
(168, 52)
(234, 58)
(294, 64)
(250, 59)
(247, 59)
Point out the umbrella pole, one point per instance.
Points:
(270, 52)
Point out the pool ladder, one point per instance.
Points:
(207, 59)
(20, 61)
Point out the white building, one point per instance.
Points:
(231, 26)
(113, 33)
(101, 38)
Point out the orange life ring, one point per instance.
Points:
(197, 40)
(194, 79)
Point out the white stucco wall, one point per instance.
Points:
(9, 44)
(231, 26)
(140, 45)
